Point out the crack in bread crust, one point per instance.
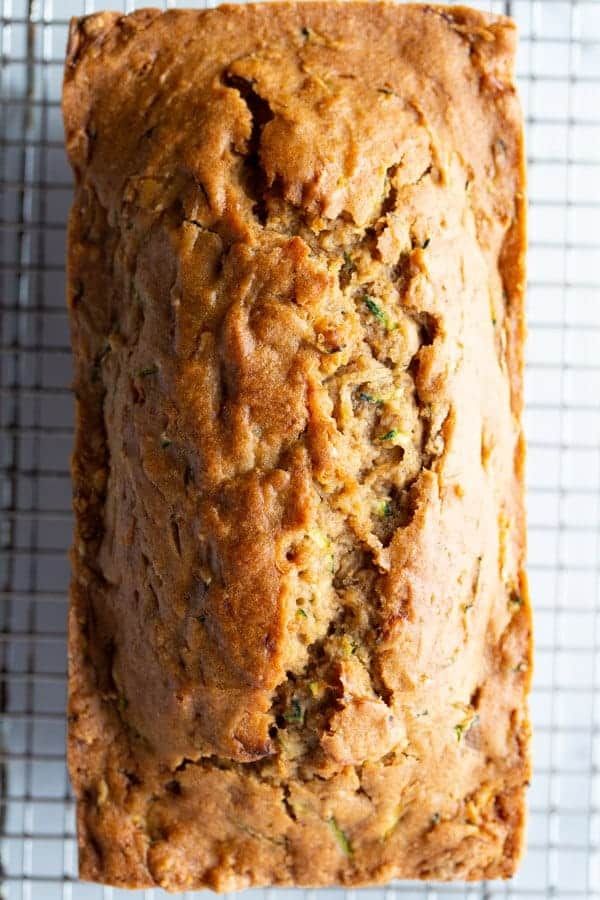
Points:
(299, 627)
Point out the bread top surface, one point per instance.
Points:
(296, 274)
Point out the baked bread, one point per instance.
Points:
(300, 629)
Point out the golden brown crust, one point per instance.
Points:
(300, 630)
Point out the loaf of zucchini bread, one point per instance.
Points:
(300, 628)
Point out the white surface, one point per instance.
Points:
(559, 67)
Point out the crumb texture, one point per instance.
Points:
(300, 628)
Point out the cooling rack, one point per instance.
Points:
(559, 74)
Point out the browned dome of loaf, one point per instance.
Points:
(300, 629)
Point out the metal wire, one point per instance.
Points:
(559, 69)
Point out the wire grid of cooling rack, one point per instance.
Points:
(559, 68)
